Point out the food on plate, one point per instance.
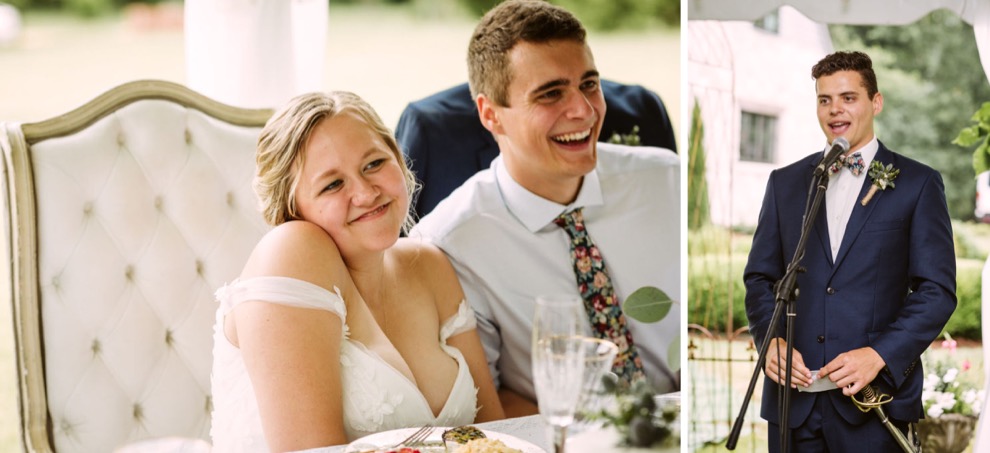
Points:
(455, 437)
(485, 446)
(462, 439)
(400, 450)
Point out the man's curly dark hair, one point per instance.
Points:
(848, 61)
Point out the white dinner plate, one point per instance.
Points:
(434, 443)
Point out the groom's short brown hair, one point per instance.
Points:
(848, 61)
(501, 29)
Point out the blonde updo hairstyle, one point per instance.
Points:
(280, 157)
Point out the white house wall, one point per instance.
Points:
(734, 66)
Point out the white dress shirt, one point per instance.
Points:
(843, 193)
(502, 241)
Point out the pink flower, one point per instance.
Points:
(966, 365)
(950, 345)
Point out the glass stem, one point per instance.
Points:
(559, 436)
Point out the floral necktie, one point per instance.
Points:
(853, 162)
(600, 301)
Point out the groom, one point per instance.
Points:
(880, 275)
(533, 222)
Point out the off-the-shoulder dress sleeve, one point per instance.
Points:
(281, 290)
(461, 322)
(236, 420)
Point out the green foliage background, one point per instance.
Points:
(607, 14)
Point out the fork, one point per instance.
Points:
(417, 437)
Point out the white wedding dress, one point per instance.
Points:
(376, 396)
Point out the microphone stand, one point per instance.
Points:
(786, 292)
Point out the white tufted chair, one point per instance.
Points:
(124, 217)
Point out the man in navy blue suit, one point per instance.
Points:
(446, 144)
(880, 279)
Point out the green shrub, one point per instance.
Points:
(19, 4)
(715, 282)
(965, 244)
(624, 14)
(965, 321)
(606, 14)
(479, 7)
(89, 8)
(82, 8)
(972, 239)
(712, 239)
(709, 240)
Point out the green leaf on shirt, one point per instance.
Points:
(647, 304)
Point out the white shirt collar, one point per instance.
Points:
(534, 211)
(868, 151)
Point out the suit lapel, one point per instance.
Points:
(821, 229)
(860, 214)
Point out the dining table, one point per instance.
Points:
(535, 430)
(531, 428)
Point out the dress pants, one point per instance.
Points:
(826, 431)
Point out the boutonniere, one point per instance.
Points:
(882, 176)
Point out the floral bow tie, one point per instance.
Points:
(853, 162)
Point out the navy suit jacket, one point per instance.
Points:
(446, 144)
(891, 286)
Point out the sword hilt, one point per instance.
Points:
(873, 400)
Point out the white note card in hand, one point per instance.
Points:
(818, 384)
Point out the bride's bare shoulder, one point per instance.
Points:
(420, 255)
(432, 268)
(295, 249)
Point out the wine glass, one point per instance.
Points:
(558, 360)
(599, 355)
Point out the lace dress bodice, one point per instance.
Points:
(376, 396)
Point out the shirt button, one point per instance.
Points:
(821, 338)
(830, 290)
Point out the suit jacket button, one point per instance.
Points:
(830, 290)
(821, 338)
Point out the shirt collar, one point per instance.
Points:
(868, 151)
(534, 211)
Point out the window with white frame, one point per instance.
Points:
(757, 137)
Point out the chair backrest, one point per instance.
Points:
(123, 217)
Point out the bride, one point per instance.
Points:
(337, 328)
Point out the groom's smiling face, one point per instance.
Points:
(845, 109)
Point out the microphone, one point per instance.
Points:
(839, 146)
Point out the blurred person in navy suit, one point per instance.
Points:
(879, 284)
(445, 143)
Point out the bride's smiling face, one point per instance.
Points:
(352, 185)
